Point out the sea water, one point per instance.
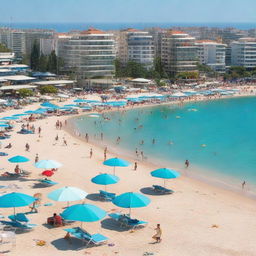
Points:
(218, 136)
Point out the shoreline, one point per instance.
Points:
(214, 180)
(196, 219)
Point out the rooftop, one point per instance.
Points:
(92, 31)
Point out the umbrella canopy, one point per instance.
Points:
(10, 118)
(48, 173)
(20, 115)
(84, 213)
(18, 159)
(49, 105)
(165, 173)
(4, 125)
(131, 200)
(67, 194)
(79, 101)
(47, 164)
(14, 199)
(105, 179)
(116, 162)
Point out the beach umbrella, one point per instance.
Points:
(10, 118)
(18, 159)
(131, 200)
(49, 105)
(20, 115)
(48, 173)
(165, 173)
(47, 164)
(83, 213)
(4, 125)
(116, 162)
(79, 101)
(67, 194)
(13, 200)
(105, 179)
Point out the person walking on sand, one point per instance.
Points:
(39, 130)
(158, 234)
(57, 138)
(91, 153)
(27, 147)
(187, 163)
(36, 158)
(135, 166)
(65, 142)
(243, 184)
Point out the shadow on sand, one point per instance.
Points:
(150, 191)
(111, 224)
(94, 197)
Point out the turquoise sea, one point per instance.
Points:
(218, 137)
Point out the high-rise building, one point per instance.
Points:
(135, 45)
(90, 53)
(243, 53)
(212, 54)
(178, 52)
(35, 35)
(14, 40)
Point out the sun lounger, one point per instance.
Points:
(96, 239)
(25, 131)
(126, 221)
(47, 183)
(106, 196)
(19, 221)
(162, 190)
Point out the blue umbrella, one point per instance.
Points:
(4, 125)
(47, 164)
(80, 101)
(67, 194)
(131, 200)
(20, 115)
(10, 118)
(165, 173)
(18, 159)
(14, 199)
(83, 213)
(105, 179)
(116, 162)
(49, 105)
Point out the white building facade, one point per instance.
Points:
(212, 54)
(90, 54)
(243, 53)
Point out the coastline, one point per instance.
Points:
(194, 172)
(188, 217)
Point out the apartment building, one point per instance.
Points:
(135, 45)
(89, 54)
(243, 53)
(212, 54)
(178, 52)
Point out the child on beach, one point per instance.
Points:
(158, 234)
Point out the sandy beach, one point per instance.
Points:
(198, 219)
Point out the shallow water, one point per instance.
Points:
(219, 136)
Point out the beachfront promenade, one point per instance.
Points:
(198, 219)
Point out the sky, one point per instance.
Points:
(47, 11)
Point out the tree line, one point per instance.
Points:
(44, 63)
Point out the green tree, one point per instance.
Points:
(25, 93)
(48, 89)
(120, 70)
(35, 56)
(135, 70)
(187, 75)
(3, 48)
(52, 63)
(43, 63)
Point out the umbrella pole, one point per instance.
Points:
(105, 187)
(130, 210)
(114, 170)
(14, 210)
(164, 182)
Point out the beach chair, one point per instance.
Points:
(19, 221)
(162, 190)
(25, 131)
(126, 221)
(47, 183)
(95, 239)
(106, 196)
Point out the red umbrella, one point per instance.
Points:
(48, 173)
